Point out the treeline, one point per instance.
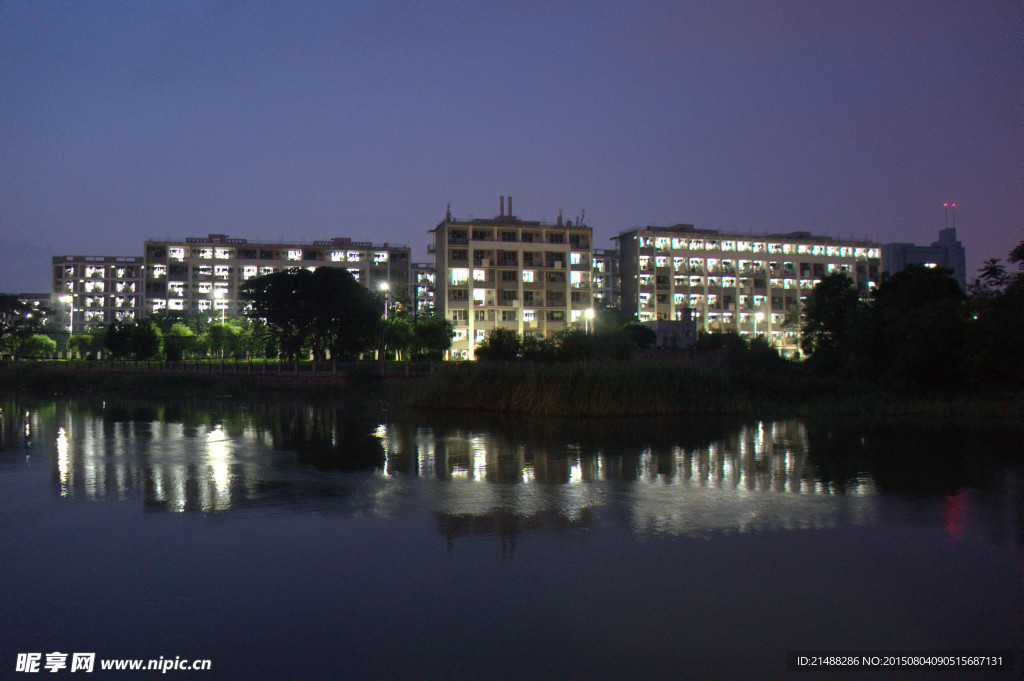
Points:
(919, 330)
(290, 315)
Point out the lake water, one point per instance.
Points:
(325, 541)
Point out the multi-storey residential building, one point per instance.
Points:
(203, 275)
(947, 252)
(606, 282)
(422, 288)
(733, 282)
(92, 290)
(527, 276)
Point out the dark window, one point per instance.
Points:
(509, 275)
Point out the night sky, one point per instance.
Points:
(121, 121)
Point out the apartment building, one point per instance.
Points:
(93, 290)
(606, 282)
(503, 272)
(734, 282)
(422, 288)
(947, 252)
(202, 275)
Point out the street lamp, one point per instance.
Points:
(588, 314)
(70, 302)
(385, 288)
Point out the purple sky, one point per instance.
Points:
(125, 120)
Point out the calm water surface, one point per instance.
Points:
(292, 541)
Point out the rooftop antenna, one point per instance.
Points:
(947, 207)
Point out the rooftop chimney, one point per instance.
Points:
(501, 207)
(510, 207)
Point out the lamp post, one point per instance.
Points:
(70, 302)
(385, 287)
(588, 314)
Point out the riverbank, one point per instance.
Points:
(654, 388)
(636, 388)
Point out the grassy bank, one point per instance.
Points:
(649, 388)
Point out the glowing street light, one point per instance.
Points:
(385, 287)
(588, 314)
(70, 302)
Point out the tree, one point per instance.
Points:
(179, 341)
(223, 339)
(326, 310)
(38, 345)
(915, 330)
(431, 338)
(18, 322)
(146, 340)
(500, 345)
(995, 334)
(398, 336)
(86, 344)
(828, 321)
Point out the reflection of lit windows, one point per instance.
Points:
(295, 255)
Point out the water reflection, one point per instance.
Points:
(501, 477)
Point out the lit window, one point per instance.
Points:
(176, 253)
(380, 257)
(204, 287)
(479, 275)
(528, 276)
(159, 271)
(337, 256)
(529, 315)
(221, 253)
(176, 304)
(249, 271)
(206, 253)
(295, 255)
(159, 304)
(266, 270)
(353, 256)
(460, 275)
(221, 271)
(575, 258)
(481, 335)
